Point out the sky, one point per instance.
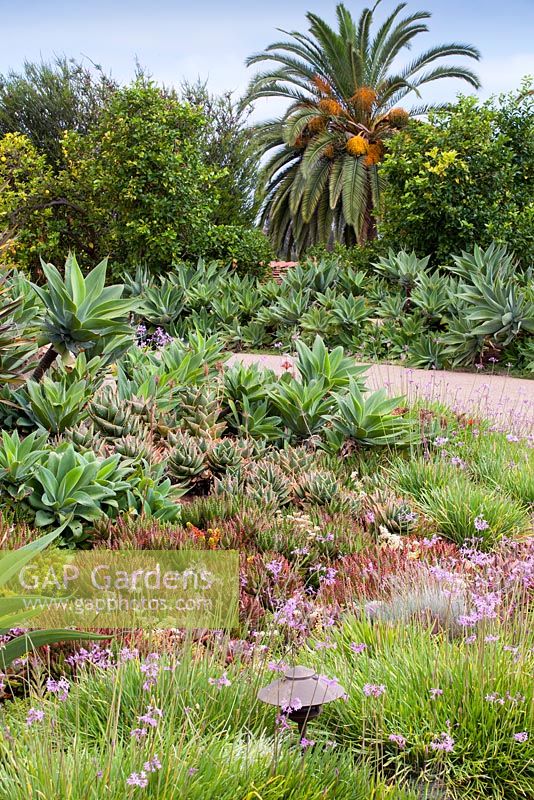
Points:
(174, 39)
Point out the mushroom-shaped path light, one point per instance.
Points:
(300, 694)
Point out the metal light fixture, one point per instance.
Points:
(300, 694)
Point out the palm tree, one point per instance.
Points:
(321, 182)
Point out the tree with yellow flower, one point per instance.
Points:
(321, 181)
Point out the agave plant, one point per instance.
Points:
(55, 405)
(494, 264)
(463, 347)
(432, 296)
(316, 321)
(18, 458)
(317, 277)
(15, 346)
(369, 420)
(79, 312)
(136, 285)
(427, 352)
(246, 381)
(352, 280)
(287, 310)
(225, 309)
(156, 497)
(349, 313)
(334, 368)
(402, 268)
(303, 407)
(499, 311)
(208, 348)
(66, 492)
(254, 420)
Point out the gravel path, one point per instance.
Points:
(509, 402)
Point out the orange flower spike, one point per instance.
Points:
(197, 533)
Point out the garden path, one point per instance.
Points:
(509, 402)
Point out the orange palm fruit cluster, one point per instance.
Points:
(330, 106)
(329, 151)
(322, 85)
(357, 146)
(374, 154)
(398, 117)
(364, 97)
(316, 124)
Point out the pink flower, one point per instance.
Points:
(443, 742)
(294, 704)
(220, 682)
(481, 524)
(34, 715)
(435, 693)
(275, 567)
(281, 723)
(358, 648)
(374, 689)
(60, 687)
(275, 666)
(397, 739)
(139, 733)
(151, 717)
(305, 743)
(151, 670)
(153, 765)
(522, 736)
(137, 779)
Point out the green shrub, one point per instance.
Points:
(464, 176)
(248, 249)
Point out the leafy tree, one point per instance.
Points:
(26, 202)
(228, 146)
(466, 176)
(47, 99)
(140, 179)
(321, 179)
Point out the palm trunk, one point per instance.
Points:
(368, 231)
(46, 361)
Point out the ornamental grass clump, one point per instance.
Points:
(167, 743)
(463, 511)
(434, 709)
